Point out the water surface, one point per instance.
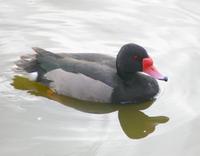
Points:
(36, 123)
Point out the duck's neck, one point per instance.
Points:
(125, 75)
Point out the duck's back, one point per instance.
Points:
(92, 57)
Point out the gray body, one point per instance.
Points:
(90, 77)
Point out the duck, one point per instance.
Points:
(130, 77)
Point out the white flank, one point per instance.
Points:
(79, 86)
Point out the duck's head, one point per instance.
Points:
(133, 58)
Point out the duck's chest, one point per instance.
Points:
(139, 89)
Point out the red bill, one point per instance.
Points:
(149, 69)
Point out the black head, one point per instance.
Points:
(129, 59)
(133, 58)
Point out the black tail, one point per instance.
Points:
(27, 63)
(41, 62)
(32, 62)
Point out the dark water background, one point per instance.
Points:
(35, 122)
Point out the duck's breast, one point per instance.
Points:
(79, 86)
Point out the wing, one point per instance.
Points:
(92, 57)
(94, 70)
(96, 66)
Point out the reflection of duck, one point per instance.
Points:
(97, 77)
(134, 123)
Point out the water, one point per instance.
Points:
(49, 124)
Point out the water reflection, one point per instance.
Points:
(133, 121)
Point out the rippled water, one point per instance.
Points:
(35, 122)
